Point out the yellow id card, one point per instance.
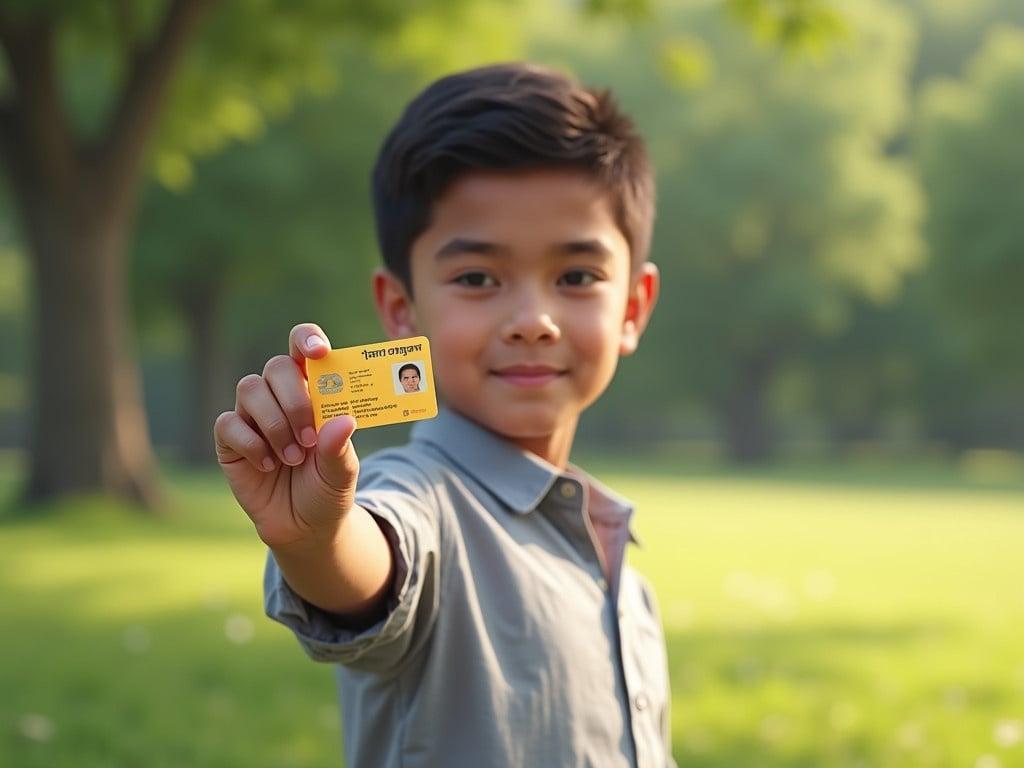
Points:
(377, 384)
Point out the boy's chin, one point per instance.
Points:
(519, 424)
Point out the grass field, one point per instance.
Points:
(814, 618)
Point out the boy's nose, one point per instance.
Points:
(531, 324)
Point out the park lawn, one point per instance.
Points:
(809, 624)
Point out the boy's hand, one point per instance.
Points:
(294, 485)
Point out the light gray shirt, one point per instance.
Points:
(504, 644)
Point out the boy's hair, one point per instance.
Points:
(506, 117)
(408, 367)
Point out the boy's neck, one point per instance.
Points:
(554, 448)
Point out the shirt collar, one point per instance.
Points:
(519, 478)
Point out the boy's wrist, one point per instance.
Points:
(316, 544)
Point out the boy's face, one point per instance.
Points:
(410, 380)
(523, 284)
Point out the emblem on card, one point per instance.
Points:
(329, 384)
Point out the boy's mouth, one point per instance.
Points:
(533, 375)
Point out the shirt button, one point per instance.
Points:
(568, 490)
(640, 702)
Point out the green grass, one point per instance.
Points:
(835, 618)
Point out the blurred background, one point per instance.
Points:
(823, 429)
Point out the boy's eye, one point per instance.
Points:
(577, 278)
(476, 280)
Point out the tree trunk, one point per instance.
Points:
(745, 416)
(202, 305)
(88, 427)
(78, 201)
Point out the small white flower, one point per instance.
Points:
(36, 727)
(238, 628)
(1008, 733)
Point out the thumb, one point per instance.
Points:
(336, 459)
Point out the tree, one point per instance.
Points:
(779, 205)
(76, 201)
(968, 149)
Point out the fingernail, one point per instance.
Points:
(313, 343)
(293, 454)
(267, 465)
(309, 437)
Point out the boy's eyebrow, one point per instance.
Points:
(462, 245)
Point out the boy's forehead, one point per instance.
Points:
(541, 207)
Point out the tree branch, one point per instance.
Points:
(37, 125)
(149, 74)
(127, 20)
(7, 128)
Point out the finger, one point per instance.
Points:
(336, 458)
(288, 385)
(307, 340)
(237, 441)
(260, 408)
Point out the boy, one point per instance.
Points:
(471, 587)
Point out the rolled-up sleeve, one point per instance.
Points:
(403, 501)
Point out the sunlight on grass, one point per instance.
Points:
(137, 579)
(808, 625)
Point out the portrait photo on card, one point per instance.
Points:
(409, 378)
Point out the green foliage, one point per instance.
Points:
(971, 159)
(798, 25)
(256, 62)
(780, 206)
(952, 31)
(799, 635)
(251, 61)
(789, 221)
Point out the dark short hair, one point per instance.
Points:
(408, 366)
(514, 116)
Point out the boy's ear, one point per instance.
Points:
(643, 295)
(394, 305)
